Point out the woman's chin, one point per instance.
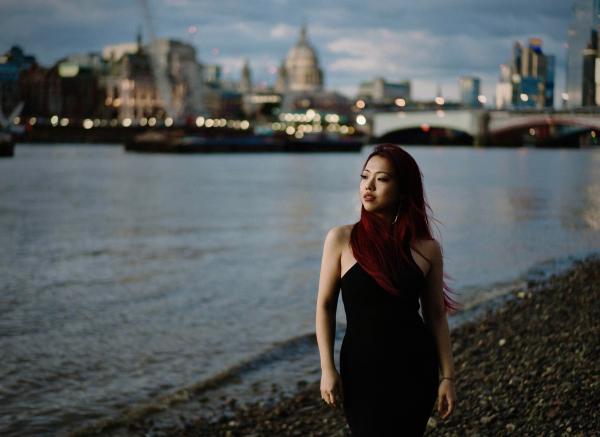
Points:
(370, 207)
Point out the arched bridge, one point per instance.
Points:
(483, 126)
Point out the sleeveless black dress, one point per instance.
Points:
(388, 360)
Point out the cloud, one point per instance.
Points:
(428, 42)
(282, 30)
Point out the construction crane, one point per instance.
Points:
(159, 66)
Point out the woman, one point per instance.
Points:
(385, 264)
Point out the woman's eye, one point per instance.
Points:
(383, 180)
(362, 176)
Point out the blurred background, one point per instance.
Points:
(172, 168)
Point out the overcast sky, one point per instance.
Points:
(428, 42)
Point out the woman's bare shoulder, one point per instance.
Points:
(340, 234)
(430, 249)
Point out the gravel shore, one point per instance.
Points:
(527, 368)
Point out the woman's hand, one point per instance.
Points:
(446, 398)
(331, 387)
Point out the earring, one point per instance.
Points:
(397, 213)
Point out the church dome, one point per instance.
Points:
(302, 66)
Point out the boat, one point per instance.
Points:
(7, 145)
(164, 142)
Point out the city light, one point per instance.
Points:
(88, 124)
(199, 121)
(54, 120)
(17, 120)
(361, 120)
(245, 124)
(400, 102)
(439, 100)
(524, 97)
(290, 130)
(482, 99)
(143, 121)
(66, 69)
(126, 122)
(360, 104)
(209, 122)
(168, 122)
(531, 131)
(32, 121)
(64, 121)
(332, 118)
(152, 121)
(565, 96)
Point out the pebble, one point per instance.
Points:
(542, 382)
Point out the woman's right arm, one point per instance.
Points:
(327, 300)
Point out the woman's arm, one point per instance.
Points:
(434, 315)
(327, 300)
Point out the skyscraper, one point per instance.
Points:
(589, 55)
(469, 90)
(528, 81)
(586, 16)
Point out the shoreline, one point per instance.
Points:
(524, 367)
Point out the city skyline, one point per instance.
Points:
(430, 43)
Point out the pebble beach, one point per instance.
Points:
(527, 367)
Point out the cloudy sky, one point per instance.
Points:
(429, 42)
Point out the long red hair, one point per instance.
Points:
(383, 250)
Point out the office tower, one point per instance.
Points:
(586, 17)
(469, 91)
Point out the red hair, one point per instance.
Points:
(382, 250)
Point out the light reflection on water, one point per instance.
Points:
(126, 276)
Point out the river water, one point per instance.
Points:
(125, 277)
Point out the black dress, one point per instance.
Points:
(388, 360)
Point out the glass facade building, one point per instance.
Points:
(586, 16)
(469, 91)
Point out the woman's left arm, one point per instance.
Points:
(434, 315)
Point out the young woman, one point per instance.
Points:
(385, 264)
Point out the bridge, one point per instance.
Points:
(485, 127)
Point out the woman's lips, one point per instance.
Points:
(368, 198)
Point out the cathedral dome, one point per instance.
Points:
(302, 66)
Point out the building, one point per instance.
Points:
(469, 88)
(160, 79)
(380, 92)
(586, 17)
(301, 71)
(130, 89)
(528, 80)
(300, 79)
(588, 85)
(12, 64)
(246, 79)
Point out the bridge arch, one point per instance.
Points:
(426, 134)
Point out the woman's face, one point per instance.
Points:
(379, 186)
